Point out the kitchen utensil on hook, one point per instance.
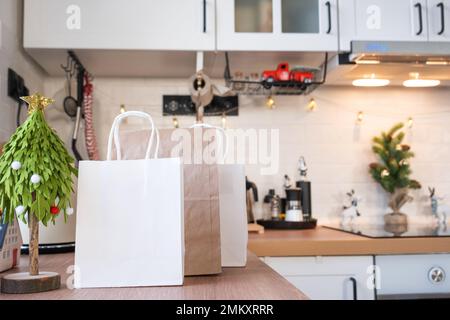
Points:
(69, 102)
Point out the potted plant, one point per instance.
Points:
(393, 171)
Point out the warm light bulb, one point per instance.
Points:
(122, 108)
(359, 117)
(270, 103)
(175, 123)
(312, 105)
(410, 122)
(224, 121)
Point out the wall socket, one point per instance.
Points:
(16, 86)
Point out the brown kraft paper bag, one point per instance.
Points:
(201, 199)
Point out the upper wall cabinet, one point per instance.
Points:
(277, 25)
(389, 20)
(120, 24)
(439, 20)
(382, 20)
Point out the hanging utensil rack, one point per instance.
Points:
(73, 64)
(263, 87)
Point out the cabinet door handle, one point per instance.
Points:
(204, 16)
(441, 6)
(355, 288)
(328, 4)
(419, 8)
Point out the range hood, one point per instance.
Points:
(395, 61)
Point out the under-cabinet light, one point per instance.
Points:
(370, 81)
(416, 82)
(371, 61)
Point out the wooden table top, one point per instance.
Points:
(326, 242)
(256, 281)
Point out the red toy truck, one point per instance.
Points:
(282, 74)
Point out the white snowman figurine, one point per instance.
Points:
(350, 212)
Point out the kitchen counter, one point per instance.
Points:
(256, 281)
(326, 242)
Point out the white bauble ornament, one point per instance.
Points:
(16, 165)
(384, 173)
(19, 209)
(69, 211)
(35, 178)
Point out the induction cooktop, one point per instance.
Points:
(382, 231)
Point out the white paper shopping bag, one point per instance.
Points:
(233, 215)
(130, 219)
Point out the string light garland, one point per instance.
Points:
(342, 107)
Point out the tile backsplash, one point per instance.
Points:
(336, 148)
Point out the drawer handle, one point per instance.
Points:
(328, 4)
(355, 288)
(204, 16)
(419, 8)
(441, 6)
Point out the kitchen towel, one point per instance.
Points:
(130, 218)
(201, 194)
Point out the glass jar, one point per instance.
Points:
(275, 207)
(294, 211)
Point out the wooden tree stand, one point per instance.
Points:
(33, 281)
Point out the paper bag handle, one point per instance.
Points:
(208, 126)
(114, 134)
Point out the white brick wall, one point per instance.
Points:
(337, 151)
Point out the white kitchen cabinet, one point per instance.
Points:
(120, 24)
(328, 278)
(439, 20)
(414, 274)
(382, 20)
(277, 25)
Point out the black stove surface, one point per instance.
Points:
(382, 231)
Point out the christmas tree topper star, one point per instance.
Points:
(37, 102)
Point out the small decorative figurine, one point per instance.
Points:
(302, 168)
(438, 209)
(350, 212)
(287, 182)
(36, 187)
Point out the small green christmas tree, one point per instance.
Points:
(35, 175)
(393, 171)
